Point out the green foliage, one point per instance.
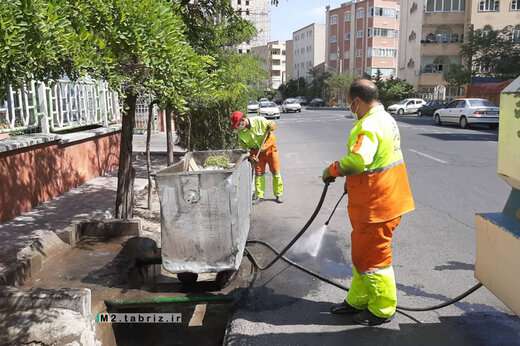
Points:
(212, 25)
(339, 84)
(38, 42)
(492, 53)
(294, 88)
(393, 89)
(206, 124)
(217, 161)
(457, 75)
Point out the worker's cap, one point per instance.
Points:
(236, 117)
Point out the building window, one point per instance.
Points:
(359, 53)
(239, 2)
(333, 56)
(515, 5)
(385, 32)
(369, 32)
(369, 52)
(383, 52)
(348, 17)
(371, 12)
(359, 34)
(333, 39)
(347, 36)
(360, 13)
(445, 5)
(382, 12)
(333, 19)
(516, 34)
(489, 5)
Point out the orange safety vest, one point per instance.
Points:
(382, 191)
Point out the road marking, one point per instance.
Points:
(428, 156)
(197, 318)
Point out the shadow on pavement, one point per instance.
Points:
(493, 137)
(455, 265)
(469, 329)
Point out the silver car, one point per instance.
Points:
(252, 107)
(406, 106)
(269, 110)
(291, 105)
(468, 111)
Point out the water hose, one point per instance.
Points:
(168, 300)
(280, 255)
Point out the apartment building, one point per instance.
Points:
(289, 64)
(309, 49)
(362, 37)
(432, 32)
(273, 56)
(259, 13)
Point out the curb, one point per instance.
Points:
(75, 299)
(326, 108)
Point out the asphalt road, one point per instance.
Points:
(453, 176)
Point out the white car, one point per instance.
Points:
(465, 112)
(269, 110)
(252, 107)
(406, 106)
(291, 105)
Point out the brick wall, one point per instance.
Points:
(36, 174)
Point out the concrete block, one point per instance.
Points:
(497, 263)
(75, 299)
(107, 229)
(70, 235)
(31, 258)
(53, 326)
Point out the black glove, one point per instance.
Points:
(326, 177)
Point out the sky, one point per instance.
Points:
(291, 15)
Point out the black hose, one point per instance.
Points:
(281, 255)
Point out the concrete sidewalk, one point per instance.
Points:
(157, 144)
(31, 238)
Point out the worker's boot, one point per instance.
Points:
(344, 309)
(279, 199)
(366, 318)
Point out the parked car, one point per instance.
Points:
(430, 107)
(317, 103)
(468, 111)
(406, 106)
(269, 110)
(302, 100)
(252, 107)
(263, 99)
(291, 105)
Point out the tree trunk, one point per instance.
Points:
(126, 172)
(169, 136)
(148, 156)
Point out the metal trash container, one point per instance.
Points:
(205, 214)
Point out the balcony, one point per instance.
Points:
(431, 79)
(443, 18)
(440, 49)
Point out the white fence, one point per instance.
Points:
(62, 105)
(141, 115)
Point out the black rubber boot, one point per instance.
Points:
(366, 318)
(344, 309)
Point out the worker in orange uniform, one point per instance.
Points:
(252, 132)
(379, 194)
